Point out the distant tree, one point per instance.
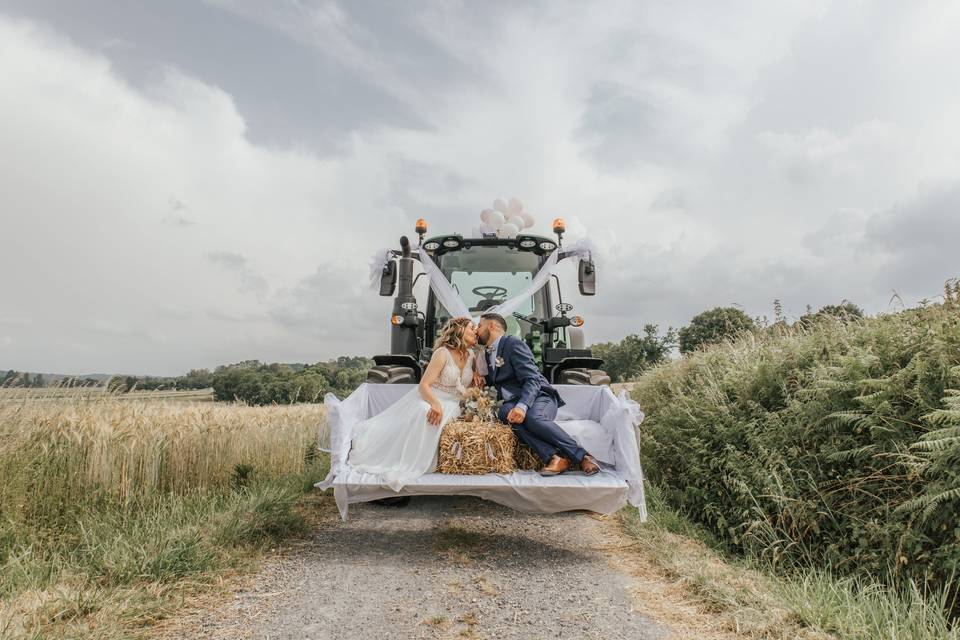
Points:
(713, 326)
(38, 381)
(195, 379)
(845, 311)
(635, 354)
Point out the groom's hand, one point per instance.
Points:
(516, 415)
(478, 380)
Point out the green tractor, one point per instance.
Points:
(486, 271)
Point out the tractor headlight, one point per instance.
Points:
(432, 246)
(451, 243)
(528, 243)
(547, 246)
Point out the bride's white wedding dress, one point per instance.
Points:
(399, 444)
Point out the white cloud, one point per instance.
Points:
(716, 155)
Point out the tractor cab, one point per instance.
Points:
(485, 272)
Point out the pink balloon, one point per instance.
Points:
(485, 215)
(514, 207)
(516, 221)
(527, 220)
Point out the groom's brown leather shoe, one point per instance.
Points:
(555, 467)
(589, 466)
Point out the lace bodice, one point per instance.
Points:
(450, 379)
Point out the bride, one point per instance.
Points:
(400, 443)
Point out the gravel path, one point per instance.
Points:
(442, 567)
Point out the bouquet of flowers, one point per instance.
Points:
(479, 405)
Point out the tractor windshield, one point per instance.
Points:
(485, 276)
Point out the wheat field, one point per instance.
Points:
(106, 500)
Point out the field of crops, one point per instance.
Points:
(110, 508)
(68, 393)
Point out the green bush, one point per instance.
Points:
(713, 326)
(836, 444)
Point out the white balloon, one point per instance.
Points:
(514, 207)
(500, 205)
(516, 221)
(527, 220)
(485, 215)
(509, 230)
(495, 219)
(486, 228)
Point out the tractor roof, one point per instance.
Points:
(438, 245)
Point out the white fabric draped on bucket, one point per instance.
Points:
(603, 423)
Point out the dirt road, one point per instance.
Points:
(443, 567)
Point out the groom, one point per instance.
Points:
(530, 404)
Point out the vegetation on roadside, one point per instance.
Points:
(833, 443)
(746, 598)
(111, 512)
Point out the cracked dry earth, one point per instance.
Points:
(442, 567)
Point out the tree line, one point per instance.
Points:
(636, 353)
(249, 381)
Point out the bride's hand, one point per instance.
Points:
(478, 381)
(435, 414)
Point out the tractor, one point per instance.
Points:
(486, 271)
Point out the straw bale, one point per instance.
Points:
(476, 447)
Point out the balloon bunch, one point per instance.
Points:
(506, 219)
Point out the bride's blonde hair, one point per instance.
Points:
(451, 336)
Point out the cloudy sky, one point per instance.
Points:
(185, 184)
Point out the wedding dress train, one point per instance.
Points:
(399, 444)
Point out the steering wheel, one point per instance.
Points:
(490, 292)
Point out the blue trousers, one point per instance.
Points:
(539, 432)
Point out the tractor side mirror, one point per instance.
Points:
(388, 279)
(587, 275)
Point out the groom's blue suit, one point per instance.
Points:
(519, 382)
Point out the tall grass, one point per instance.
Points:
(833, 445)
(744, 596)
(110, 509)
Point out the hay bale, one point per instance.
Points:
(476, 447)
(525, 458)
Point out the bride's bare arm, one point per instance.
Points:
(437, 361)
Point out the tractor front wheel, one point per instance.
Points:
(391, 374)
(590, 377)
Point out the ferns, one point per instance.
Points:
(939, 452)
(838, 443)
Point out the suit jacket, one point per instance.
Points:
(519, 374)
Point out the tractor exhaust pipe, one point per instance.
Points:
(403, 335)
